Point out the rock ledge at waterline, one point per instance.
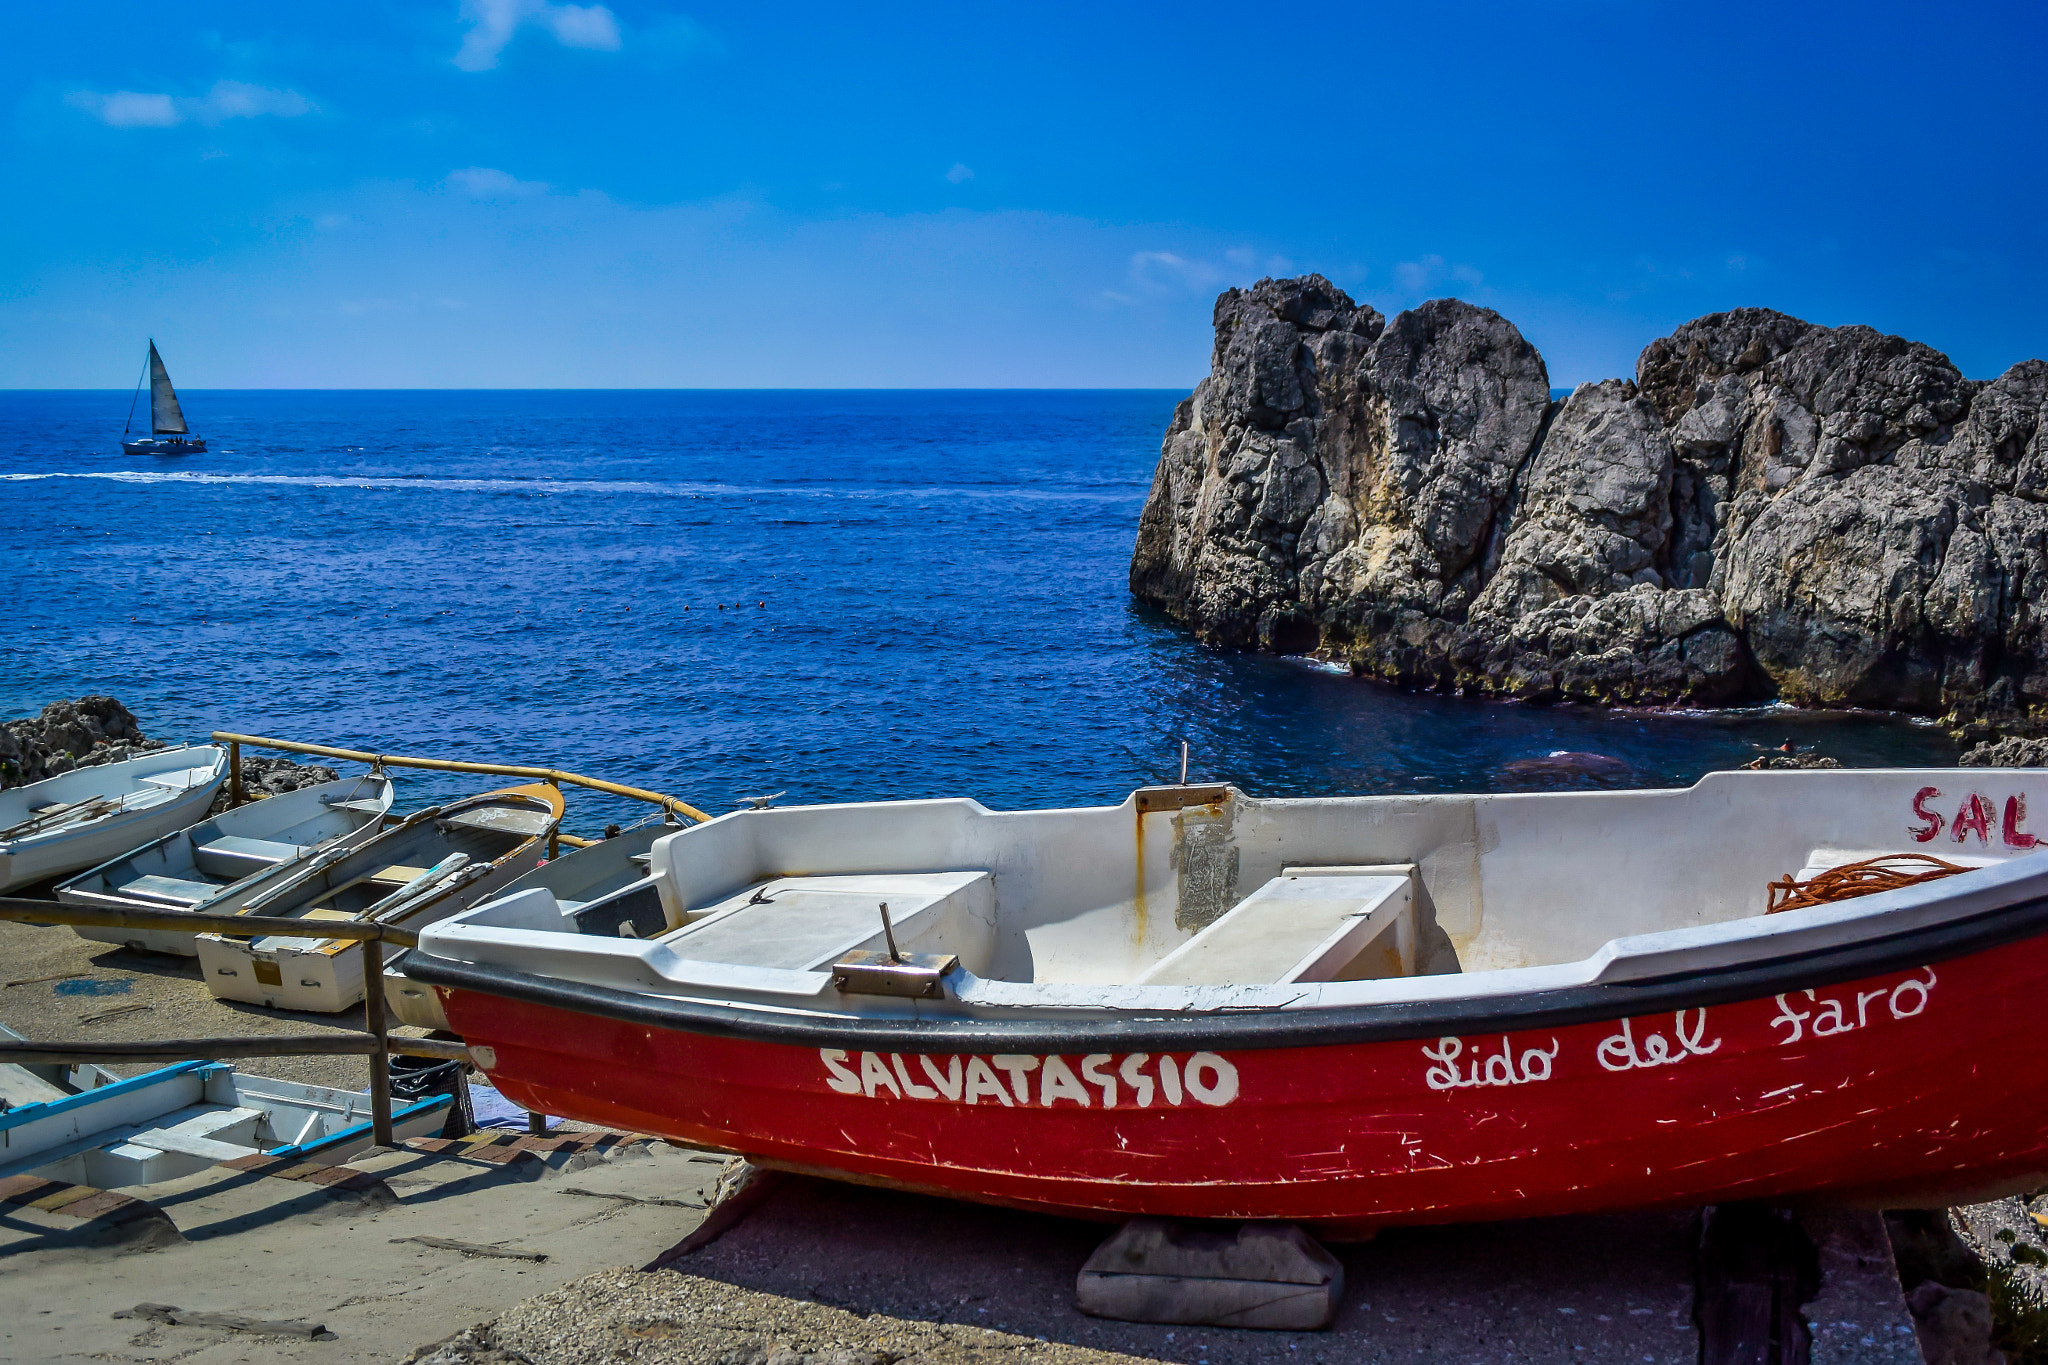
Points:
(1770, 509)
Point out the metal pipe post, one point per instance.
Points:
(380, 1060)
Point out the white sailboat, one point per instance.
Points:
(168, 432)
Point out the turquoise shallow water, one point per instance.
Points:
(841, 595)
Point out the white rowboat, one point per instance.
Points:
(218, 865)
(84, 817)
(435, 863)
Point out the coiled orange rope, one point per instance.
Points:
(1864, 878)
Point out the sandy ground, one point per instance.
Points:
(273, 1250)
(827, 1274)
(138, 997)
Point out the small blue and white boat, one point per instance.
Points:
(85, 1125)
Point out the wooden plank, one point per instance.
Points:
(380, 1060)
(473, 1249)
(337, 1044)
(172, 1315)
(636, 1198)
(23, 911)
(1755, 1268)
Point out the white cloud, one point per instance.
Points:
(234, 99)
(127, 108)
(1161, 272)
(482, 182)
(494, 23)
(960, 174)
(227, 100)
(1420, 277)
(1245, 258)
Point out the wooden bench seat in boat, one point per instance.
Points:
(518, 820)
(1335, 924)
(398, 874)
(233, 857)
(273, 942)
(806, 923)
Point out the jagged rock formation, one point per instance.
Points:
(2013, 751)
(67, 735)
(98, 729)
(1771, 508)
(275, 776)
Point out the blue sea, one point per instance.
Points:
(838, 595)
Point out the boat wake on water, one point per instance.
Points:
(604, 487)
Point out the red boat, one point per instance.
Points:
(1344, 1012)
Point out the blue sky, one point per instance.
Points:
(448, 193)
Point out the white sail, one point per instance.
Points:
(166, 418)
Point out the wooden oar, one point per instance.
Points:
(50, 817)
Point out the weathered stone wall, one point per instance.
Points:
(1771, 508)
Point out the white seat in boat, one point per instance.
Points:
(361, 807)
(171, 890)
(805, 923)
(19, 1085)
(233, 857)
(269, 850)
(1822, 859)
(183, 779)
(1300, 927)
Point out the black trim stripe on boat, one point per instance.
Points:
(1113, 1030)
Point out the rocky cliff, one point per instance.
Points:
(67, 735)
(98, 729)
(1770, 508)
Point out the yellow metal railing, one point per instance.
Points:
(447, 765)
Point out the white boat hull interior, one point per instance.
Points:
(1193, 897)
(217, 866)
(596, 875)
